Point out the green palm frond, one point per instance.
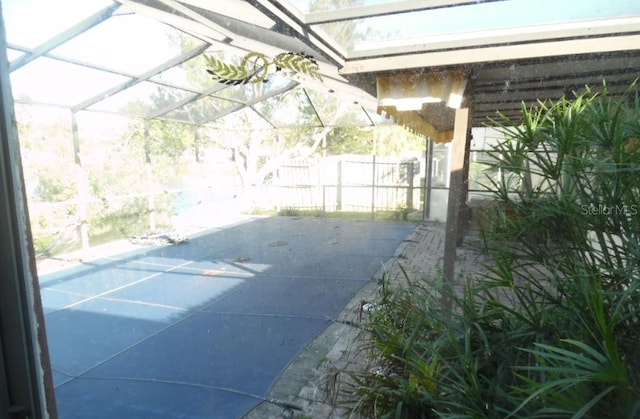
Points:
(574, 378)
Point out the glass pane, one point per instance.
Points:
(338, 113)
(12, 54)
(308, 6)
(30, 23)
(51, 81)
(243, 119)
(200, 111)
(141, 99)
(236, 93)
(485, 138)
(190, 75)
(98, 126)
(379, 119)
(238, 10)
(405, 28)
(46, 148)
(130, 43)
(289, 109)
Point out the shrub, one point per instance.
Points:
(552, 329)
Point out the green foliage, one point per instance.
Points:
(579, 206)
(352, 140)
(42, 242)
(54, 188)
(391, 140)
(402, 383)
(289, 212)
(430, 362)
(43, 148)
(128, 217)
(169, 139)
(552, 329)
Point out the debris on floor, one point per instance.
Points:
(159, 238)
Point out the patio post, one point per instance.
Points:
(460, 144)
(428, 173)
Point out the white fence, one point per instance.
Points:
(350, 183)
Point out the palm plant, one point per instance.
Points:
(552, 329)
(578, 223)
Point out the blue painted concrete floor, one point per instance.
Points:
(203, 329)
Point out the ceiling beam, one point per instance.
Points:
(503, 36)
(234, 9)
(197, 17)
(511, 86)
(494, 53)
(360, 12)
(175, 20)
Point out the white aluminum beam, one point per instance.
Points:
(494, 53)
(361, 12)
(523, 34)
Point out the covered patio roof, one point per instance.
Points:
(511, 50)
(508, 51)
